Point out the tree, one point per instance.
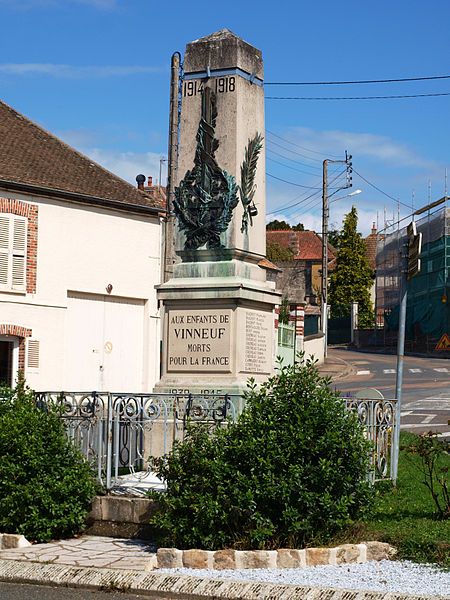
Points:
(334, 238)
(352, 278)
(299, 227)
(283, 226)
(284, 311)
(277, 253)
(278, 226)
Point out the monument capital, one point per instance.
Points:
(223, 50)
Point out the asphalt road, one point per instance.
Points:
(425, 389)
(22, 591)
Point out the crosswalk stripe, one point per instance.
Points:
(441, 370)
(415, 370)
(389, 371)
(363, 372)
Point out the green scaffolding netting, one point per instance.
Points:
(428, 305)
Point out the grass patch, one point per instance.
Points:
(406, 516)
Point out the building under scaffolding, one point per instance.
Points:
(428, 310)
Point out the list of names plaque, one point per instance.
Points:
(258, 353)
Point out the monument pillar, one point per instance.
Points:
(219, 303)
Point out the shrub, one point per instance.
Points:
(45, 484)
(289, 472)
(433, 473)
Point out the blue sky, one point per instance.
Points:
(96, 74)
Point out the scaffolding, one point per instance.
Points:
(428, 311)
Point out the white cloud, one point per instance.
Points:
(75, 72)
(378, 147)
(128, 164)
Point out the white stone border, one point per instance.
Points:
(8, 541)
(171, 558)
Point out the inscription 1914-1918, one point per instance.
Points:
(220, 85)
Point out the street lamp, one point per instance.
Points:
(346, 196)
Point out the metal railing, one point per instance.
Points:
(378, 418)
(118, 432)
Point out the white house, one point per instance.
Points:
(79, 260)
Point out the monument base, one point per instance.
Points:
(219, 332)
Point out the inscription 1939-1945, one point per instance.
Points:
(220, 85)
(199, 340)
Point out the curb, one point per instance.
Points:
(172, 558)
(179, 587)
(345, 372)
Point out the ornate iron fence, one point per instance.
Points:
(118, 432)
(377, 417)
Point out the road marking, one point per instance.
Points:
(415, 425)
(428, 419)
(441, 370)
(363, 372)
(415, 370)
(389, 371)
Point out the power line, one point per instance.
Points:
(294, 144)
(379, 189)
(297, 153)
(355, 97)
(317, 168)
(282, 208)
(292, 160)
(288, 206)
(360, 81)
(309, 187)
(278, 162)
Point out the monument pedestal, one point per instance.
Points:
(218, 325)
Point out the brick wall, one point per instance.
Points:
(22, 333)
(30, 211)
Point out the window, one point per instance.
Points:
(13, 248)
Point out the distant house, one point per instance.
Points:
(301, 278)
(79, 258)
(371, 253)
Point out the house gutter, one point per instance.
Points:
(77, 197)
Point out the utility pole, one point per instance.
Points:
(172, 166)
(325, 257)
(326, 162)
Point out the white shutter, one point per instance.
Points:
(19, 245)
(33, 354)
(4, 249)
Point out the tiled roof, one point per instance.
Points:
(307, 245)
(266, 264)
(32, 156)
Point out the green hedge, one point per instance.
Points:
(291, 471)
(45, 484)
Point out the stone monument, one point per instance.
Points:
(219, 304)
